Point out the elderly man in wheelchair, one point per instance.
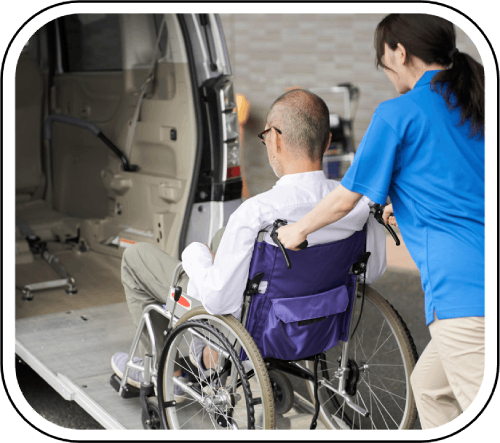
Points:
(213, 357)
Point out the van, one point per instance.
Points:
(126, 131)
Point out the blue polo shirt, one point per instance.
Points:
(416, 152)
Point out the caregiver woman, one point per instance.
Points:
(425, 149)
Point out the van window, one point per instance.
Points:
(92, 42)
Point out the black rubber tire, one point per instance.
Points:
(152, 420)
(282, 392)
(253, 353)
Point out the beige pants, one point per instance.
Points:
(147, 274)
(449, 372)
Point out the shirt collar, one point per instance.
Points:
(301, 177)
(426, 78)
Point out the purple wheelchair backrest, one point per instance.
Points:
(304, 310)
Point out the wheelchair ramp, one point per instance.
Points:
(72, 351)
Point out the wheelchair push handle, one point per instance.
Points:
(379, 210)
(274, 235)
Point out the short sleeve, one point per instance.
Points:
(374, 163)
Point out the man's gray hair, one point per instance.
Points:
(304, 120)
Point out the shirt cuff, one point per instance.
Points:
(196, 256)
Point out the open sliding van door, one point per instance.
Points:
(217, 191)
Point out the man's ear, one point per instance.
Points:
(279, 143)
(328, 144)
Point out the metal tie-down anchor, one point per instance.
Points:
(39, 247)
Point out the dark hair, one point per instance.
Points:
(432, 40)
(304, 120)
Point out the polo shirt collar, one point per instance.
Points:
(301, 177)
(426, 78)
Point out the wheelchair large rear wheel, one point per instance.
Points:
(382, 356)
(234, 394)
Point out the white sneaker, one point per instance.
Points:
(118, 363)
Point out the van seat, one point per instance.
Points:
(30, 178)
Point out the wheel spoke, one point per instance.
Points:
(202, 409)
(379, 350)
(216, 403)
(373, 355)
(377, 402)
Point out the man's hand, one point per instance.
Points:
(290, 236)
(213, 255)
(388, 216)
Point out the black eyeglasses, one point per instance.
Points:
(262, 135)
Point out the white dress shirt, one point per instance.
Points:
(219, 285)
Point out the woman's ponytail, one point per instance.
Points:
(462, 86)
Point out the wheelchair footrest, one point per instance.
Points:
(128, 391)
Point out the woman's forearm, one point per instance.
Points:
(336, 205)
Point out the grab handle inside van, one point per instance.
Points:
(92, 127)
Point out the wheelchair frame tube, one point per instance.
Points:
(175, 279)
(344, 369)
(210, 343)
(346, 397)
(292, 368)
(345, 349)
(188, 389)
(177, 273)
(146, 321)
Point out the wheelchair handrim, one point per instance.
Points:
(171, 412)
(166, 365)
(267, 421)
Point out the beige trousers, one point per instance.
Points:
(449, 372)
(147, 273)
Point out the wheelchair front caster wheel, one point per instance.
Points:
(151, 420)
(283, 392)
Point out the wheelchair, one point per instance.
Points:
(292, 322)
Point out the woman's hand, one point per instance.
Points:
(291, 236)
(388, 216)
